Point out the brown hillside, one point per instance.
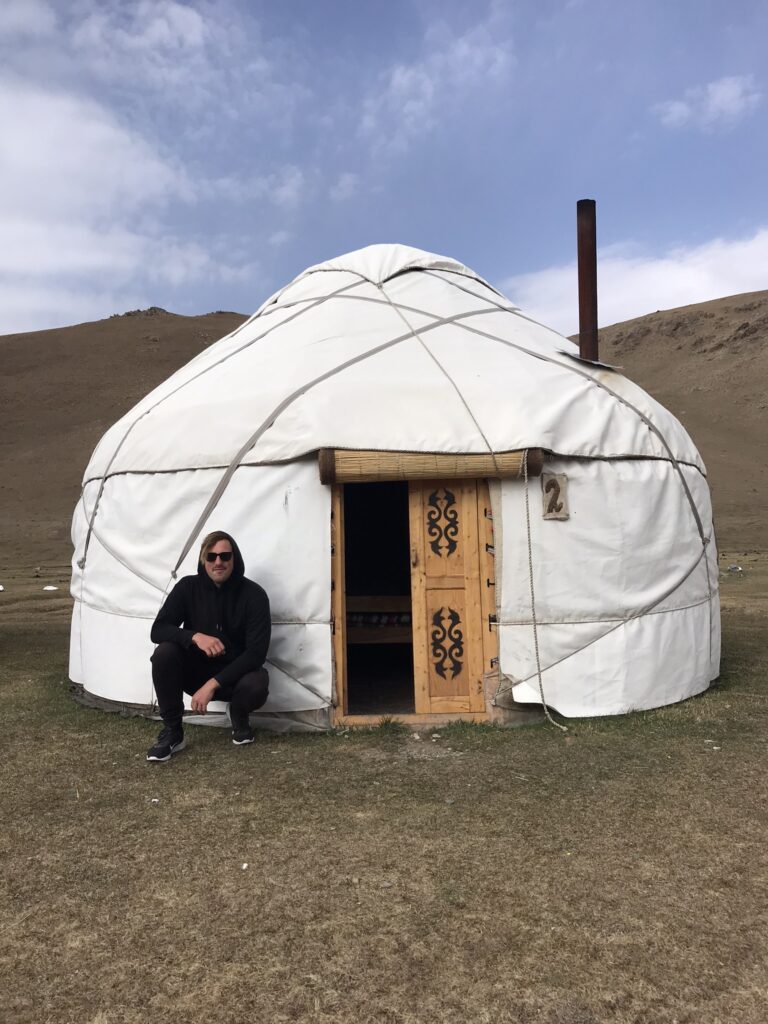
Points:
(60, 389)
(708, 364)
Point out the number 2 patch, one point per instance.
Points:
(554, 488)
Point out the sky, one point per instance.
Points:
(198, 155)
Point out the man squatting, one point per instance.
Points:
(212, 634)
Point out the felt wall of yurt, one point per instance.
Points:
(606, 607)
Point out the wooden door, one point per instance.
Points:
(446, 596)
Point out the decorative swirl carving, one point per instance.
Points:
(442, 521)
(447, 642)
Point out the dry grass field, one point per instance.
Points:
(617, 873)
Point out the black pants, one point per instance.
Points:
(176, 671)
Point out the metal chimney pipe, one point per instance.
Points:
(586, 239)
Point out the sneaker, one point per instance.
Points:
(242, 733)
(240, 737)
(168, 742)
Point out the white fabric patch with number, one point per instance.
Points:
(554, 488)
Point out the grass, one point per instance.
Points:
(617, 873)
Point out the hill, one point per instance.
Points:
(708, 364)
(60, 389)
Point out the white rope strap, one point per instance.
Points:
(563, 728)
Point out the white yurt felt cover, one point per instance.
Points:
(392, 348)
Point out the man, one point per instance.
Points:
(212, 635)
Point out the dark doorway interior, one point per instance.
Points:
(378, 595)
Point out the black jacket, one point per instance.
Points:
(237, 613)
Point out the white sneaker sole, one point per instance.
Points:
(243, 743)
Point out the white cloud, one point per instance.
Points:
(412, 98)
(291, 188)
(631, 284)
(83, 199)
(199, 63)
(26, 18)
(65, 156)
(280, 237)
(346, 186)
(286, 188)
(157, 44)
(717, 104)
(33, 306)
(149, 25)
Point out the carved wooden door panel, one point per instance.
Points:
(446, 597)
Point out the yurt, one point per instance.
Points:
(453, 515)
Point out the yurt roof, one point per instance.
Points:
(388, 348)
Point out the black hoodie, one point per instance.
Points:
(237, 613)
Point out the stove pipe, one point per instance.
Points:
(586, 238)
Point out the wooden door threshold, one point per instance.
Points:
(412, 721)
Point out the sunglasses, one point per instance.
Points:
(225, 556)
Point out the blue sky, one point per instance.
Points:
(198, 155)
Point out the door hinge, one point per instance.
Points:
(492, 621)
(490, 549)
(490, 583)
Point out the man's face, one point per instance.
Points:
(219, 570)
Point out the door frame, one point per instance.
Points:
(489, 642)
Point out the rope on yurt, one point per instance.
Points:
(442, 369)
(563, 728)
(183, 384)
(705, 540)
(592, 380)
(676, 463)
(285, 404)
(618, 623)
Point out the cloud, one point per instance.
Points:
(84, 201)
(103, 272)
(182, 67)
(147, 26)
(412, 98)
(291, 188)
(285, 188)
(157, 45)
(26, 18)
(279, 237)
(346, 186)
(718, 104)
(631, 284)
(36, 306)
(67, 156)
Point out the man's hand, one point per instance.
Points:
(204, 695)
(210, 645)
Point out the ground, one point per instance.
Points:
(617, 872)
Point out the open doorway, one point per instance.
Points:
(379, 631)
